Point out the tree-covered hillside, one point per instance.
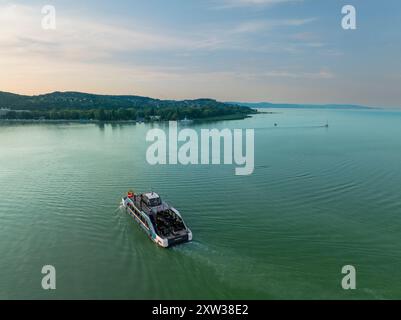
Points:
(84, 106)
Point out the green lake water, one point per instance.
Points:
(318, 199)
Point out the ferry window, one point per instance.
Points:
(155, 202)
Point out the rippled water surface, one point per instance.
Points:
(319, 199)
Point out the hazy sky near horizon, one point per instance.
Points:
(291, 51)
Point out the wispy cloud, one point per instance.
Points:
(321, 74)
(263, 25)
(89, 40)
(77, 38)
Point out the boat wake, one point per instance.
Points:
(119, 209)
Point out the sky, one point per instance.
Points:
(283, 51)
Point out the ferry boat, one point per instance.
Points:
(161, 222)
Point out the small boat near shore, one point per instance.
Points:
(186, 121)
(161, 222)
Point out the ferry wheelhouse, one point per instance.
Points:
(161, 222)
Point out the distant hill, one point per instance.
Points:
(297, 106)
(79, 100)
(83, 106)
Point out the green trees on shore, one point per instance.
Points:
(145, 114)
(84, 106)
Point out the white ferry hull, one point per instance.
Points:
(147, 226)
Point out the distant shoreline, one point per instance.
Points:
(66, 121)
(268, 105)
